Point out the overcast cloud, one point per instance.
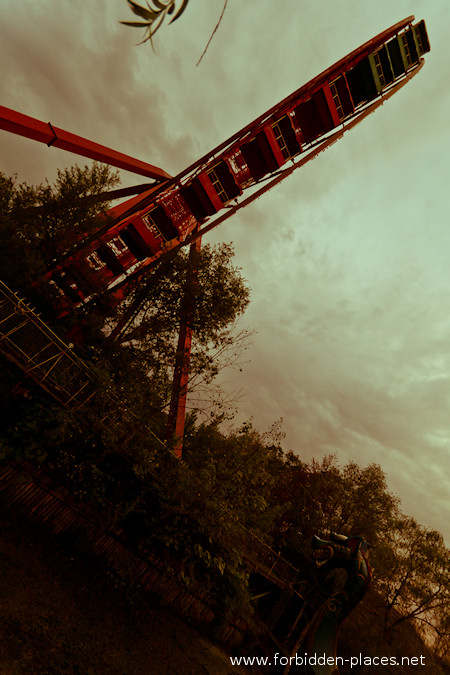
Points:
(348, 259)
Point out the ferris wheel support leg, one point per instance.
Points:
(177, 412)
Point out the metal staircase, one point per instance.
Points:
(29, 343)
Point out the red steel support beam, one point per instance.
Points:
(177, 411)
(23, 125)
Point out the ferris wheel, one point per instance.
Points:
(175, 211)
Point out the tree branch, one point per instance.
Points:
(214, 31)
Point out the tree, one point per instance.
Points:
(39, 224)
(48, 219)
(324, 497)
(199, 510)
(363, 502)
(149, 341)
(414, 577)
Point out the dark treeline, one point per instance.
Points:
(196, 511)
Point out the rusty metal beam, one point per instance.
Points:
(24, 125)
(177, 412)
(108, 196)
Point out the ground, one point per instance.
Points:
(60, 615)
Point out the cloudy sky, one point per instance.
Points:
(348, 259)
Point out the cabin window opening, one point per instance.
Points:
(69, 288)
(160, 224)
(406, 48)
(384, 66)
(285, 136)
(337, 100)
(379, 68)
(197, 200)
(135, 242)
(108, 256)
(419, 40)
(223, 180)
(152, 226)
(94, 261)
(259, 156)
(420, 32)
(217, 185)
(118, 245)
(395, 57)
(280, 140)
(55, 286)
(361, 82)
(234, 164)
(412, 46)
(314, 116)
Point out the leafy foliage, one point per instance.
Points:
(414, 576)
(39, 224)
(154, 15)
(43, 221)
(219, 296)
